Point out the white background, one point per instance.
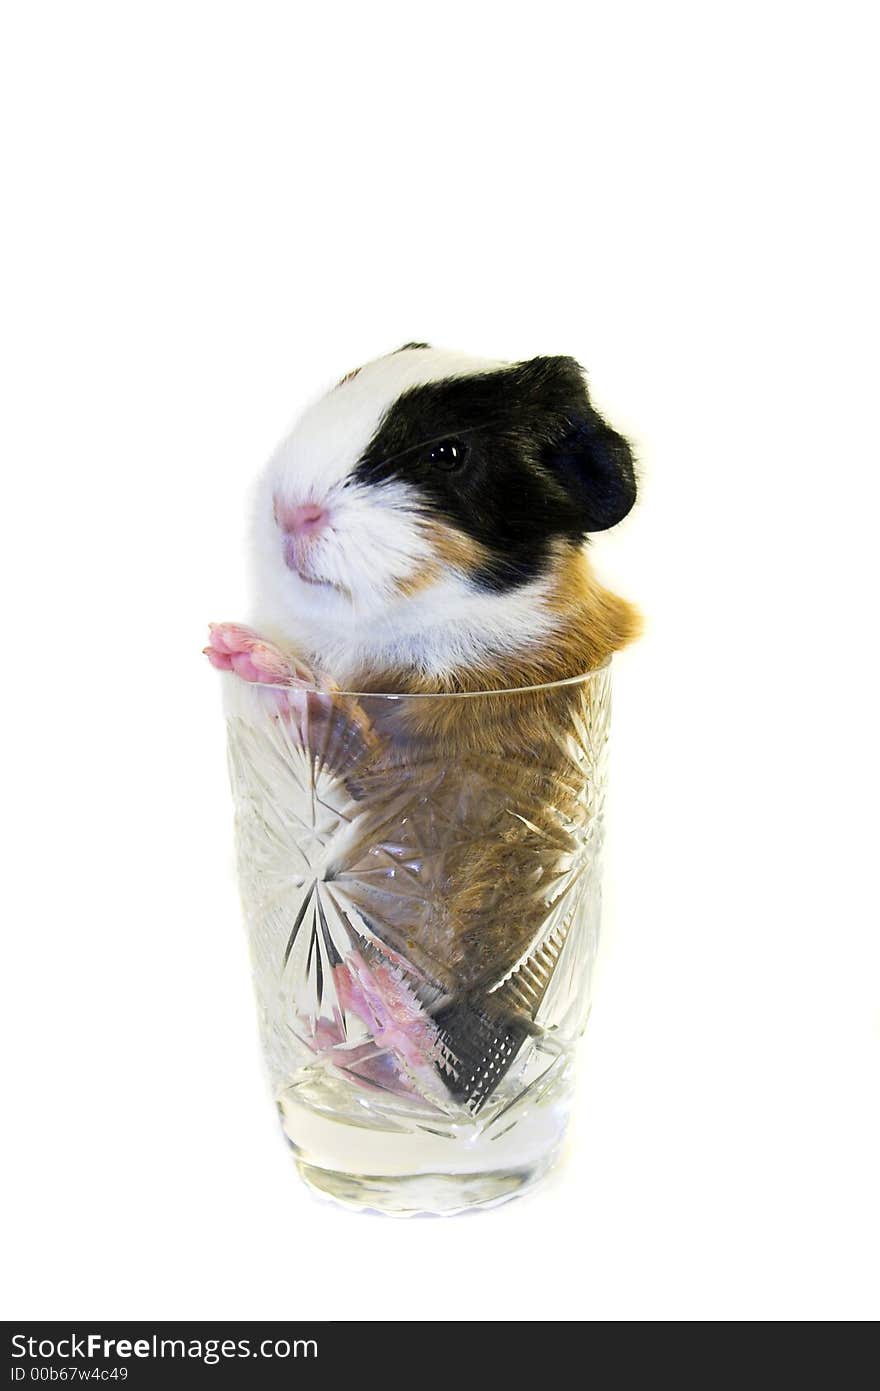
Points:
(211, 212)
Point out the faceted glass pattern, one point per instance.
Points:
(420, 878)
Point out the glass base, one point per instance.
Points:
(422, 1194)
(370, 1163)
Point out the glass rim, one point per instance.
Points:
(577, 680)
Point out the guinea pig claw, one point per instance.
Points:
(231, 637)
(221, 660)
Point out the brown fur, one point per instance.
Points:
(592, 624)
(491, 781)
(451, 551)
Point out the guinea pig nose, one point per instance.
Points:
(304, 520)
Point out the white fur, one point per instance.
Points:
(447, 628)
(354, 619)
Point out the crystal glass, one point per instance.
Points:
(420, 877)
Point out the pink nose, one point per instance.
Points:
(304, 520)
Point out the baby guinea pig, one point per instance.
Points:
(423, 528)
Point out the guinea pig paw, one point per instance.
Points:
(233, 647)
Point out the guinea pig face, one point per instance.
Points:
(431, 470)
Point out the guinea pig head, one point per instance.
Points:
(427, 482)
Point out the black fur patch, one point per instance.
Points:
(537, 461)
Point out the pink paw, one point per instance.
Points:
(382, 999)
(232, 647)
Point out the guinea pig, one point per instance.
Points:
(423, 530)
(423, 527)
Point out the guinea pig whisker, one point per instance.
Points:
(460, 432)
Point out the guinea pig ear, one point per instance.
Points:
(595, 465)
(593, 462)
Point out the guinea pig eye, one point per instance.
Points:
(448, 454)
